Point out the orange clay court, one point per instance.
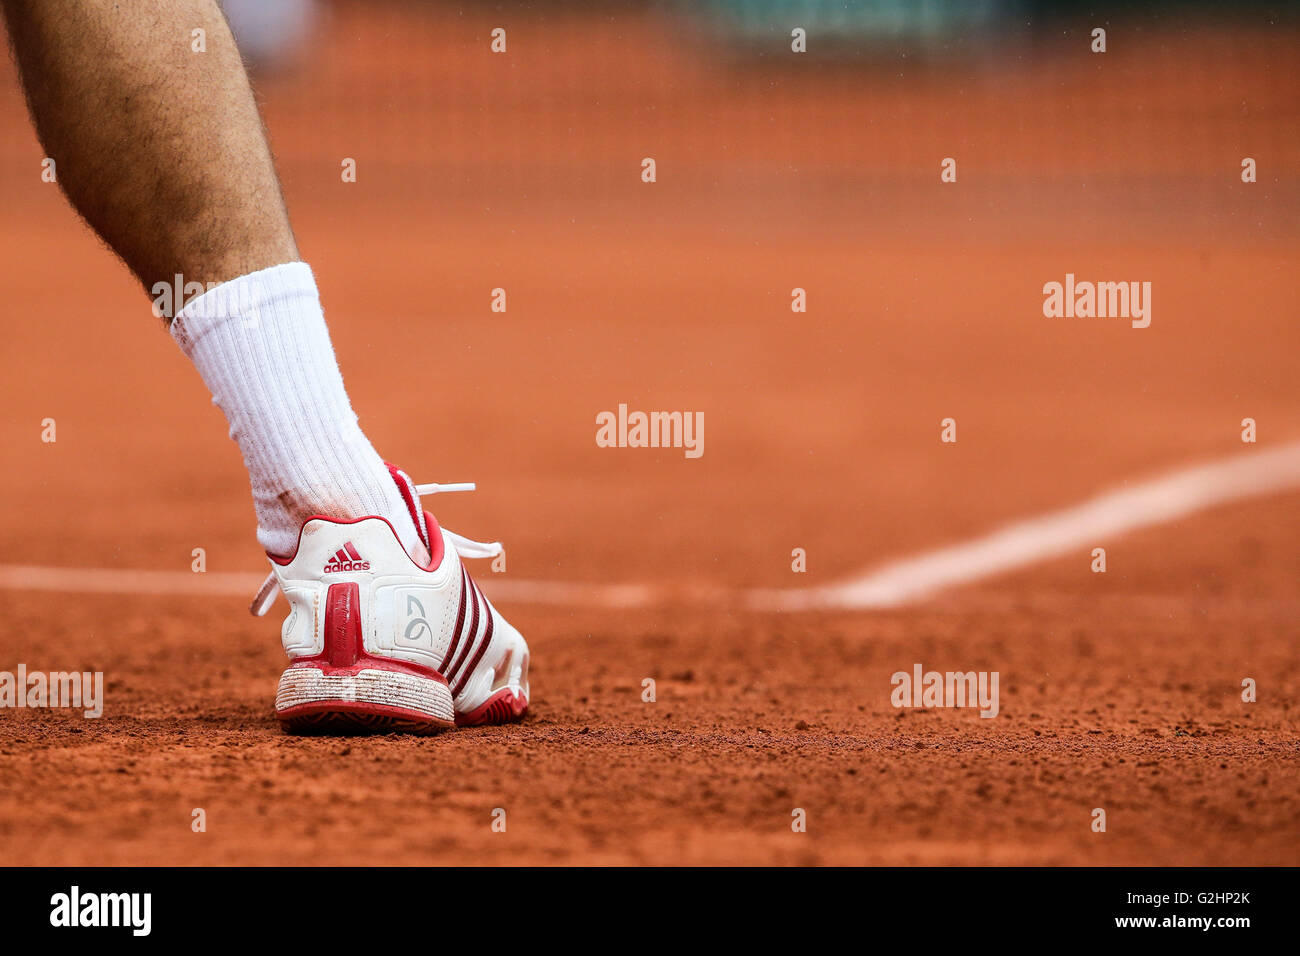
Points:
(1120, 690)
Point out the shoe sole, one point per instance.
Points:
(362, 700)
(504, 707)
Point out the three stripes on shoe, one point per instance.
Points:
(455, 671)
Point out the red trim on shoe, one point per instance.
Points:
(471, 633)
(503, 707)
(343, 625)
(437, 549)
(366, 662)
(437, 552)
(460, 619)
(351, 717)
(409, 495)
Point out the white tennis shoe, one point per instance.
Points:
(379, 642)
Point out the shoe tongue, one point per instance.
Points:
(406, 487)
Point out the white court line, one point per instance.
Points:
(28, 577)
(1094, 523)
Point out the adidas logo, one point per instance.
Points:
(346, 558)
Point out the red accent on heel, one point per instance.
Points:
(503, 707)
(343, 625)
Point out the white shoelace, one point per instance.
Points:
(465, 547)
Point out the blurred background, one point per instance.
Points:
(775, 170)
(819, 170)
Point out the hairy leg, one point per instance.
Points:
(161, 149)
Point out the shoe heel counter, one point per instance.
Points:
(332, 552)
(299, 634)
(332, 549)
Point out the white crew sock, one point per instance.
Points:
(261, 345)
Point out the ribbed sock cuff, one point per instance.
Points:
(243, 299)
